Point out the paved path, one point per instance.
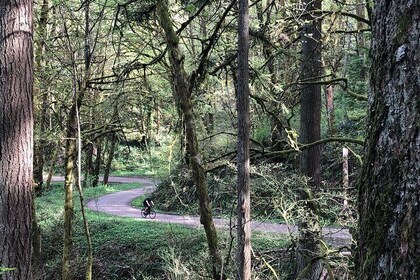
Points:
(119, 204)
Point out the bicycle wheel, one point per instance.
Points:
(152, 214)
(143, 213)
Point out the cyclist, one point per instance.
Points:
(148, 204)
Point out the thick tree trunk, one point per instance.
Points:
(243, 184)
(308, 265)
(183, 98)
(389, 196)
(16, 138)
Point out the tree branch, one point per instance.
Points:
(198, 75)
(319, 142)
(191, 18)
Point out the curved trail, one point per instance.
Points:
(119, 204)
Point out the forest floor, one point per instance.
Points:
(119, 204)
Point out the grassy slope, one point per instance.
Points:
(127, 248)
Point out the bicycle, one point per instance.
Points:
(151, 213)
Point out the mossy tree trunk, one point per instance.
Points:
(72, 153)
(389, 195)
(244, 127)
(183, 99)
(69, 181)
(308, 265)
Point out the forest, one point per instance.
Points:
(278, 139)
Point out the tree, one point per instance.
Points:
(73, 147)
(308, 267)
(16, 138)
(389, 208)
(243, 185)
(42, 94)
(182, 95)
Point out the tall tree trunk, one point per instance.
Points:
(79, 89)
(39, 145)
(87, 56)
(183, 98)
(243, 184)
(308, 265)
(89, 168)
(69, 180)
(16, 138)
(111, 151)
(389, 197)
(98, 162)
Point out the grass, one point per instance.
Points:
(128, 248)
(138, 201)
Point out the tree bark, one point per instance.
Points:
(16, 138)
(89, 168)
(69, 180)
(98, 162)
(183, 99)
(389, 197)
(308, 265)
(111, 151)
(243, 183)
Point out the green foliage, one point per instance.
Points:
(154, 160)
(127, 248)
(275, 189)
(262, 131)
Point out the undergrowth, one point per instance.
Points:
(128, 248)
